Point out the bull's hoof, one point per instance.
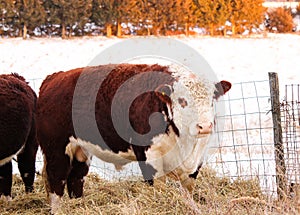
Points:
(150, 182)
(4, 200)
(28, 189)
(55, 203)
(189, 184)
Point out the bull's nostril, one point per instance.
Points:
(204, 128)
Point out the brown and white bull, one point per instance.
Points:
(160, 116)
(17, 132)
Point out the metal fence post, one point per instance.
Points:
(277, 130)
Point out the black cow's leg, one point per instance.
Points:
(195, 174)
(6, 179)
(147, 170)
(57, 170)
(75, 179)
(26, 160)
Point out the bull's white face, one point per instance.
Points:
(192, 108)
(192, 104)
(194, 119)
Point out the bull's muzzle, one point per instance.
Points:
(205, 128)
(201, 128)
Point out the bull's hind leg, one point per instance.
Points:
(6, 179)
(56, 170)
(26, 160)
(76, 178)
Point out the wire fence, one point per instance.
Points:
(290, 109)
(35, 83)
(246, 146)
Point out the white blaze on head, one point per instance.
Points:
(192, 99)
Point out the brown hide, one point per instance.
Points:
(17, 131)
(55, 123)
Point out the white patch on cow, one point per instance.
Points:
(4, 198)
(170, 112)
(158, 154)
(180, 156)
(8, 159)
(26, 175)
(45, 176)
(71, 151)
(118, 159)
(55, 203)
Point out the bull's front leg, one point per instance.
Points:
(147, 169)
(195, 174)
(55, 173)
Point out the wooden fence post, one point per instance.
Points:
(277, 130)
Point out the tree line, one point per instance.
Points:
(135, 17)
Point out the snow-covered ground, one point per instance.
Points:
(233, 59)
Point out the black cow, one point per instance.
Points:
(17, 131)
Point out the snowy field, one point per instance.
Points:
(233, 59)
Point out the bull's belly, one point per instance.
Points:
(118, 159)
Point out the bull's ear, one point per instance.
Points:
(222, 87)
(163, 92)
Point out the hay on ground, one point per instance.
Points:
(212, 195)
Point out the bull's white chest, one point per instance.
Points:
(173, 154)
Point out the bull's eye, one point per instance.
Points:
(183, 103)
(164, 90)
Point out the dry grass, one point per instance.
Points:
(212, 195)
